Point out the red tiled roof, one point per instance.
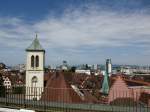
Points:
(47, 76)
(58, 89)
(130, 82)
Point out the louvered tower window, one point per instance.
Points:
(32, 61)
(37, 61)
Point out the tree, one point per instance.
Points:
(86, 67)
(2, 66)
(73, 69)
(2, 88)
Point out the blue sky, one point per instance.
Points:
(79, 31)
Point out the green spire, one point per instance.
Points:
(35, 46)
(105, 85)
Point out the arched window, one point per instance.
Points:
(37, 61)
(32, 61)
(34, 81)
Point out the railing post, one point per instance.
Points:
(136, 102)
(24, 95)
(6, 96)
(44, 97)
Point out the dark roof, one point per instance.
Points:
(145, 97)
(35, 46)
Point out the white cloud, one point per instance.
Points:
(98, 29)
(75, 30)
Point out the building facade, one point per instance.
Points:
(35, 70)
(7, 82)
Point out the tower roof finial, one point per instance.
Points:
(36, 35)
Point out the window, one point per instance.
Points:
(34, 81)
(37, 61)
(32, 61)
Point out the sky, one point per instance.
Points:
(78, 31)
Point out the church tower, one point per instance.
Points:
(35, 70)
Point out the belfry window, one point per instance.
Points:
(37, 61)
(32, 61)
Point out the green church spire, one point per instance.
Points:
(105, 85)
(35, 46)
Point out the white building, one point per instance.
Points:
(7, 82)
(35, 70)
(64, 67)
(127, 71)
(108, 67)
(103, 72)
(88, 72)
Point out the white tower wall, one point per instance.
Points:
(35, 63)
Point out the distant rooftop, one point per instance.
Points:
(35, 46)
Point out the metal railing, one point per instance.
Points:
(73, 100)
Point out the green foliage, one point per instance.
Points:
(73, 69)
(2, 88)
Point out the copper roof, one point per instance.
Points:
(35, 46)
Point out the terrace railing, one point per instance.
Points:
(73, 100)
